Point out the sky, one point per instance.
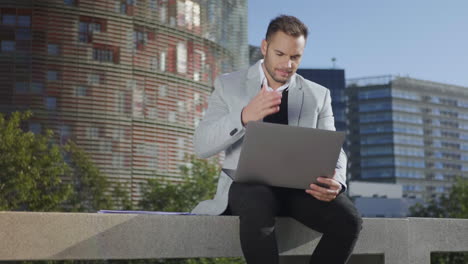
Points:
(422, 39)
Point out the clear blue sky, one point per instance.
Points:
(423, 39)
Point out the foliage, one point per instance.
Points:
(198, 183)
(34, 175)
(455, 205)
(89, 185)
(30, 168)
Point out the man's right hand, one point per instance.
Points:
(263, 104)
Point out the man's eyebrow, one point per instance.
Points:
(295, 55)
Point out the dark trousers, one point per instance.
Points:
(257, 205)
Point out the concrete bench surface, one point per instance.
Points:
(47, 236)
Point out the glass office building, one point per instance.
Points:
(128, 80)
(407, 131)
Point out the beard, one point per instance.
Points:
(271, 71)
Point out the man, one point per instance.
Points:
(271, 91)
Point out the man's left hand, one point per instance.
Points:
(325, 194)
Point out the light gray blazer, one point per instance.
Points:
(309, 105)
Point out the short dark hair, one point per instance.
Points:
(290, 25)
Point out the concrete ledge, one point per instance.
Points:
(47, 236)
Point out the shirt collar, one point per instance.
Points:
(263, 79)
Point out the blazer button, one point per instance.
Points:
(233, 132)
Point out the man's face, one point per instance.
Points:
(283, 54)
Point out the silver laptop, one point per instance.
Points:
(287, 156)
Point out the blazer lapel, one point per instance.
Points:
(295, 102)
(253, 81)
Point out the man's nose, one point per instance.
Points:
(288, 63)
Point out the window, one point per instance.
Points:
(81, 91)
(8, 19)
(24, 21)
(405, 95)
(377, 173)
(51, 103)
(163, 11)
(8, 45)
(162, 91)
(53, 49)
(401, 173)
(140, 39)
(69, 2)
(162, 61)
(117, 160)
(154, 64)
(374, 94)
(92, 132)
(188, 14)
(171, 117)
(180, 148)
(52, 75)
(126, 7)
(88, 26)
(105, 146)
(376, 162)
(370, 140)
(408, 151)
(380, 150)
(104, 55)
(65, 134)
(181, 57)
(371, 107)
(23, 34)
(94, 78)
(21, 87)
(34, 127)
(121, 102)
(153, 4)
(37, 87)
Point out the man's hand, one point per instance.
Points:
(263, 104)
(325, 194)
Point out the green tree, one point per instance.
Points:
(34, 175)
(198, 183)
(89, 185)
(30, 168)
(455, 205)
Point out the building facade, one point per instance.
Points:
(333, 79)
(127, 80)
(407, 131)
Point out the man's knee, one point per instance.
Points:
(252, 200)
(350, 223)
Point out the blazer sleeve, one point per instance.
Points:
(327, 121)
(220, 127)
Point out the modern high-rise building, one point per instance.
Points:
(333, 79)
(255, 54)
(127, 80)
(407, 131)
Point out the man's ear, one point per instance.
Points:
(264, 47)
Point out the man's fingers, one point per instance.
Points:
(264, 87)
(320, 196)
(322, 190)
(269, 111)
(333, 184)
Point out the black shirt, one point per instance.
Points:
(280, 117)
